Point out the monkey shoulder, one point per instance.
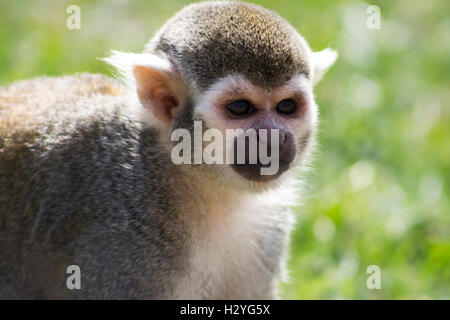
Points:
(29, 105)
(48, 113)
(69, 147)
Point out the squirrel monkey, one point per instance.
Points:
(87, 176)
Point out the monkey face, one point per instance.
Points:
(272, 127)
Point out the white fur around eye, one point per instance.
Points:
(209, 103)
(219, 91)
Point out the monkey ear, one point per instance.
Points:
(321, 62)
(157, 80)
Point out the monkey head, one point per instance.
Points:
(230, 66)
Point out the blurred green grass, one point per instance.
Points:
(379, 190)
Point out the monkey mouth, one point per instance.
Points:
(271, 168)
(253, 172)
(269, 159)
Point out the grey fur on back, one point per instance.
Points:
(88, 192)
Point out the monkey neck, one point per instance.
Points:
(210, 195)
(209, 198)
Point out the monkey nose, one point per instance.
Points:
(287, 148)
(284, 148)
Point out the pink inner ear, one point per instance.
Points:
(155, 93)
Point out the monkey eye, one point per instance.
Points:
(286, 107)
(240, 107)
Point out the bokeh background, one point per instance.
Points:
(379, 190)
